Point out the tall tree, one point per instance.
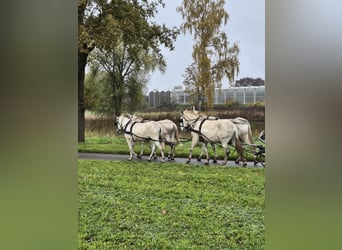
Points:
(197, 94)
(123, 70)
(213, 56)
(102, 23)
(100, 97)
(136, 87)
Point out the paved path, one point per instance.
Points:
(97, 156)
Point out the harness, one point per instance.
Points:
(202, 137)
(134, 136)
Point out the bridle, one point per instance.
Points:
(121, 127)
(190, 122)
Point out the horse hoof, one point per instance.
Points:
(245, 164)
(255, 163)
(237, 162)
(188, 161)
(206, 163)
(214, 161)
(199, 159)
(149, 159)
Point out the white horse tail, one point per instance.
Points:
(175, 129)
(160, 134)
(238, 145)
(236, 134)
(250, 134)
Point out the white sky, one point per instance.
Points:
(246, 26)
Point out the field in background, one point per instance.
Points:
(104, 125)
(134, 205)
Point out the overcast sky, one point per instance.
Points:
(246, 26)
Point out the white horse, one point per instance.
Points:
(137, 131)
(221, 131)
(169, 135)
(244, 132)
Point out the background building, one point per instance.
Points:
(242, 95)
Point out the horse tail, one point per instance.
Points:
(237, 142)
(175, 129)
(160, 134)
(236, 134)
(250, 134)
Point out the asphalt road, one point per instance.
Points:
(97, 156)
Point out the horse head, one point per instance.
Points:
(188, 119)
(121, 122)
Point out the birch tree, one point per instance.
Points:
(213, 56)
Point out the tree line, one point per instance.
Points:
(121, 44)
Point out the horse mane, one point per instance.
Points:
(138, 118)
(126, 115)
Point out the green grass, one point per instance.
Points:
(118, 145)
(134, 205)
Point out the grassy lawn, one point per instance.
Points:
(135, 205)
(118, 145)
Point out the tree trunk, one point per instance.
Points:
(82, 61)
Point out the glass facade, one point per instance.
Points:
(243, 95)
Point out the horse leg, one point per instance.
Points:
(172, 150)
(193, 144)
(226, 157)
(199, 158)
(238, 159)
(243, 138)
(256, 153)
(204, 147)
(131, 148)
(154, 154)
(153, 148)
(215, 153)
(141, 150)
(162, 144)
(227, 152)
(239, 150)
(171, 155)
(161, 147)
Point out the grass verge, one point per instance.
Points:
(134, 205)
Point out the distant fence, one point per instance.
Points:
(243, 95)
